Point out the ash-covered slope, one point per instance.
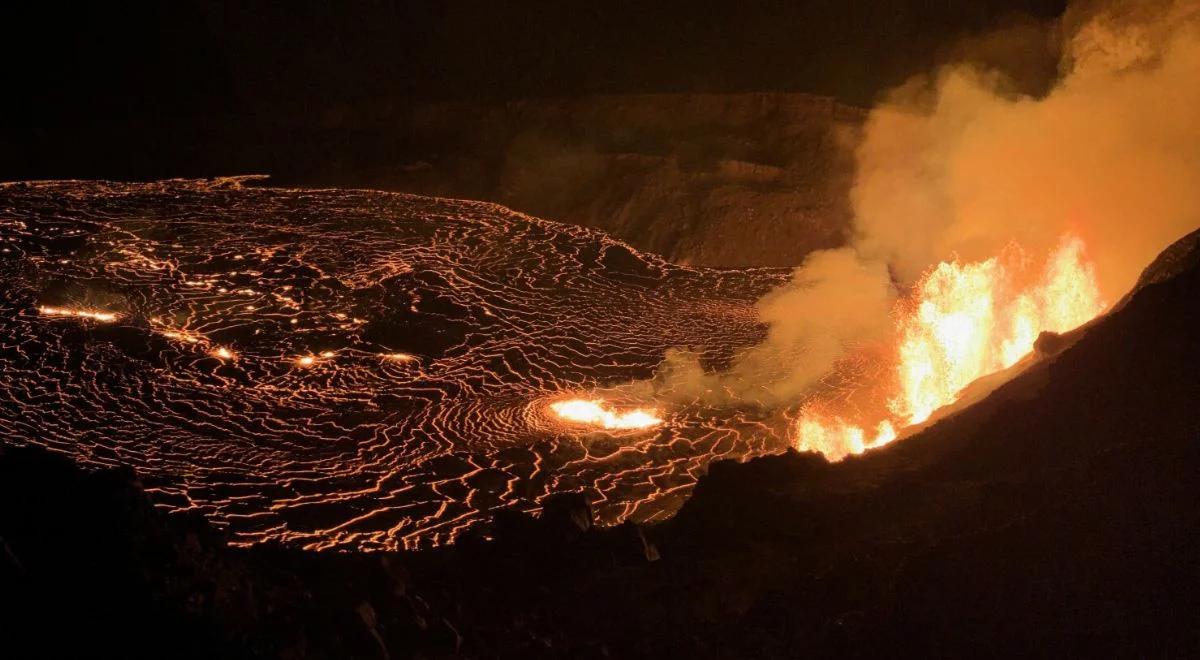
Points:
(1056, 515)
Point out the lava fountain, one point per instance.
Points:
(963, 321)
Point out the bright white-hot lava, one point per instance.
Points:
(91, 314)
(834, 437)
(964, 321)
(594, 412)
(971, 320)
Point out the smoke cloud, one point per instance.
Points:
(958, 164)
(847, 302)
(954, 165)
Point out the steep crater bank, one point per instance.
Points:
(709, 179)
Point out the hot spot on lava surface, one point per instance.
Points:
(353, 368)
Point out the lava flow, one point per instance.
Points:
(962, 322)
(356, 369)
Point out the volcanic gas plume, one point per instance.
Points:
(983, 218)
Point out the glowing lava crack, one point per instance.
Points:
(350, 368)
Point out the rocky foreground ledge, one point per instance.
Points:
(1057, 516)
(92, 569)
(89, 566)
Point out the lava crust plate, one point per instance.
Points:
(352, 368)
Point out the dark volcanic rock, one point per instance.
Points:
(569, 512)
(750, 179)
(90, 569)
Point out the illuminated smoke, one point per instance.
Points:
(954, 165)
(848, 303)
(964, 322)
(957, 177)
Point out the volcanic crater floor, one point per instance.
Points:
(330, 368)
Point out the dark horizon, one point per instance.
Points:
(199, 88)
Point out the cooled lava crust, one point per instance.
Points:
(353, 368)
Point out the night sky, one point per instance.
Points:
(159, 80)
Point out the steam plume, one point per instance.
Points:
(799, 348)
(957, 164)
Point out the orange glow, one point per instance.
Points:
(224, 353)
(836, 438)
(180, 335)
(975, 319)
(963, 322)
(595, 413)
(94, 315)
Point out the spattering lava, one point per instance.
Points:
(963, 321)
(351, 368)
(594, 412)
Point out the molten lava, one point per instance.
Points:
(964, 321)
(595, 413)
(343, 337)
(94, 315)
(834, 437)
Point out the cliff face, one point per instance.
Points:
(708, 179)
